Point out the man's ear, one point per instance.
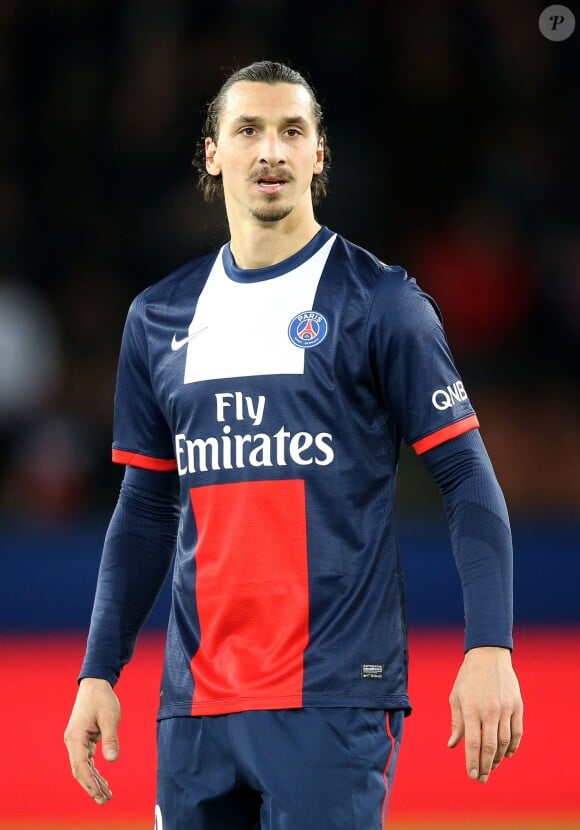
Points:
(319, 159)
(212, 164)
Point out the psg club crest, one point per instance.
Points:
(307, 329)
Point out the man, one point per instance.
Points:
(278, 377)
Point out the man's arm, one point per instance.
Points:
(486, 704)
(137, 554)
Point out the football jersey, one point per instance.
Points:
(280, 396)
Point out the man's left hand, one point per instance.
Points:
(486, 709)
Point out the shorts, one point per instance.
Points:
(287, 769)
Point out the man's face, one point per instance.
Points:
(267, 150)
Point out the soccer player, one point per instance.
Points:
(263, 393)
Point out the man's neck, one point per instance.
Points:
(260, 244)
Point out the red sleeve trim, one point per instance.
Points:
(134, 459)
(423, 445)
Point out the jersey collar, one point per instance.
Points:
(271, 271)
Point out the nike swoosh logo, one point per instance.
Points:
(179, 344)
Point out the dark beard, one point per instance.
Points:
(270, 213)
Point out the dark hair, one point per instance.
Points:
(266, 72)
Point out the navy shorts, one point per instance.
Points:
(287, 769)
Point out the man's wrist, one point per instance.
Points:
(94, 681)
(477, 652)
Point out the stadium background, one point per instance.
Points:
(454, 128)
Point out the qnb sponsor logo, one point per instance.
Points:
(448, 397)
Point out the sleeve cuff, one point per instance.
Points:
(440, 436)
(146, 462)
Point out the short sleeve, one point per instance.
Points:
(141, 435)
(412, 362)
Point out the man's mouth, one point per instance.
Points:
(270, 183)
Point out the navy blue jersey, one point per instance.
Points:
(281, 396)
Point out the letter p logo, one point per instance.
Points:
(556, 23)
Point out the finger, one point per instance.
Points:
(489, 738)
(109, 740)
(503, 738)
(88, 778)
(100, 791)
(457, 725)
(80, 751)
(517, 730)
(103, 790)
(457, 731)
(473, 746)
(78, 755)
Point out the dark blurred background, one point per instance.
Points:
(454, 130)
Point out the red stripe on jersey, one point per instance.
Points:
(387, 768)
(445, 434)
(252, 596)
(134, 459)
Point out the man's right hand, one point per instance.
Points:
(95, 716)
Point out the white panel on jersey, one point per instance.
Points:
(241, 329)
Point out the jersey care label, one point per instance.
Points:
(372, 671)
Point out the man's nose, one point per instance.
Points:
(272, 150)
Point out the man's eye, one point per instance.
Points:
(247, 131)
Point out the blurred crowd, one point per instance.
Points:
(454, 131)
